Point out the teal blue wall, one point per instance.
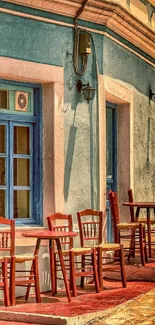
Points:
(32, 40)
(125, 65)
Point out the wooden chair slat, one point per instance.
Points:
(89, 228)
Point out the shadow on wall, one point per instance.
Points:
(93, 160)
(45, 280)
(69, 159)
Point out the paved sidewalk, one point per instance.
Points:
(140, 310)
(16, 323)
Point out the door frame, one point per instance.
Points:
(111, 184)
(114, 135)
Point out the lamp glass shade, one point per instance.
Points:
(88, 93)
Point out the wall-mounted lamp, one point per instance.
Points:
(151, 95)
(88, 91)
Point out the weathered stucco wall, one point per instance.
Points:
(35, 41)
(139, 76)
(124, 65)
(144, 148)
(47, 43)
(51, 44)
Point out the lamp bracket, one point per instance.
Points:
(80, 86)
(151, 95)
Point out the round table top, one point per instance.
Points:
(140, 204)
(47, 234)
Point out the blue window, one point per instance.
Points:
(20, 153)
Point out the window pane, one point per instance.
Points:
(2, 171)
(21, 172)
(2, 138)
(2, 203)
(21, 204)
(21, 140)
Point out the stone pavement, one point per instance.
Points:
(15, 323)
(140, 310)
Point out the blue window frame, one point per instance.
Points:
(21, 157)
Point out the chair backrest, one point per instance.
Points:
(90, 226)
(61, 222)
(7, 236)
(130, 195)
(113, 199)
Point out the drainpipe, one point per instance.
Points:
(80, 11)
(76, 43)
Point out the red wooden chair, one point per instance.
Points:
(140, 219)
(143, 220)
(7, 240)
(64, 223)
(132, 213)
(91, 235)
(91, 227)
(4, 278)
(135, 228)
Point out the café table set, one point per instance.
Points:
(58, 235)
(147, 206)
(50, 236)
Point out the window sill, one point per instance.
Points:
(25, 241)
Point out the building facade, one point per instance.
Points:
(57, 151)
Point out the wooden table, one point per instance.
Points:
(52, 235)
(147, 206)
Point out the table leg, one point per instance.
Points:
(36, 251)
(63, 269)
(149, 231)
(132, 242)
(137, 214)
(52, 267)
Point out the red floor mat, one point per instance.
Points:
(112, 295)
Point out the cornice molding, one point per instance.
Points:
(108, 13)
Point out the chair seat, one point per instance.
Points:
(130, 225)
(91, 246)
(23, 258)
(152, 238)
(145, 220)
(75, 250)
(81, 249)
(110, 246)
(2, 258)
(20, 258)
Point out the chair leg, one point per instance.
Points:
(83, 265)
(145, 246)
(141, 243)
(54, 290)
(12, 281)
(5, 280)
(52, 267)
(132, 245)
(36, 251)
(100, 267)
(118, 236)
(97, 286)
(122, 266)
(72, 272)
(36, 278)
